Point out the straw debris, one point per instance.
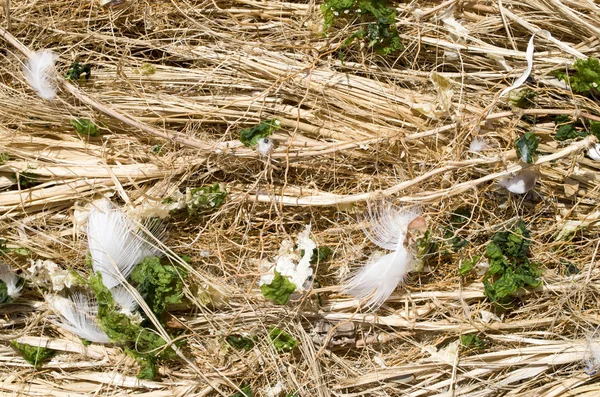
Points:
(164, 108)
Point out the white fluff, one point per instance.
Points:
(478, 145)
(592, 354)
(39, 73)
(11, 280)
(77, 315)
(521, 183)
(265, 146)
(380, 276)
(594, 152)
(115, 243)
(289, 262)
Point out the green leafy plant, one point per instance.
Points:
(379, 29)
(205, 199)
(524, 98)
(240, 342)
(585, 80)
(27, 179)
(84, 127)
(468, 265)
(3, 157)
(382, 36)
(250, 136)
(34, 355)
(510, 268)
(527, 146)
(76, 70)
(320, 255)
(144, 345)
(473, 341)
(282, 341)
(279, 290)
(159, 284)
(567, 128)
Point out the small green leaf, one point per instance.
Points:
(205, 199)
(473, 341)
(250, 136)
(468, 265)
(3, 158)
(524, 98)
(280, 289)
(240, 342)
(34, 355)
(148, 69)
(565, 129)
(76, 70)
(4, 297)
(282, 341)
(527, 146)
(320, 255)
(20, 251)
(27, 179)
(84, 127)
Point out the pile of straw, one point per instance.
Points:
(353, 131)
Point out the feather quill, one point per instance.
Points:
(11, 280)
(39, 73)
(375, 282)
(77, 314)
(116, 245)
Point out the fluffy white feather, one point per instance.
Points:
(124, 298)
(380, 276)
(11, 280)
(116, 245)
(521, 183)
(39, 73)
(592, 353)
(265, 146)
(478, 145)
(77, 314)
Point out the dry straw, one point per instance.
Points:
(187, 76)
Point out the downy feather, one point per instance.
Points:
(124, 298)
(77, 314)
(116, 245)
(11, 280)
(521, 183)
(39, 73)
(379, 277)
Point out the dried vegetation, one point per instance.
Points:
(174, 82)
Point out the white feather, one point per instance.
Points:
(521, 183)
(265, 146)
(124, 298)
(11, 280)
(115, 243)
(478, 145)
(39, 73)
(592, 353)
(594, 152)
(380, 276)
(77, 315)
